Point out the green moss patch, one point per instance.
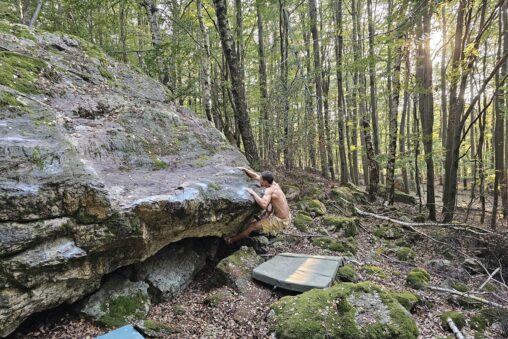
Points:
(349, 225)
(313, 206)
(20, 31)
(347, 273)
(20, 72)
(405, 254)
(374, 270)
(479, 322)
(302, 221)
(457, 317)
(8, 100)
(344, 246)
(123, 310)
(406, 299)
(342, 312)
(418, 278)
(388, 232)
(459, 286)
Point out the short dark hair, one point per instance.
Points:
(268, 176)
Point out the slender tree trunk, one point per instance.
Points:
(394, 109)
(341, 114)
(319, 89)
(263, 84)
(206, 81)
(310, 125)
(237, 83)
(123, 35)
(326, 88)
(405, 115)
(284, 41)
(503, 128)
(444, 119)
(426, 102)
(33, 20)
(152, 12)
(372, 80)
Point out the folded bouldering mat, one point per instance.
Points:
(298, 272)
(124, 332)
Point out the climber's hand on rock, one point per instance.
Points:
(249, 190)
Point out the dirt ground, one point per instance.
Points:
(192, 315)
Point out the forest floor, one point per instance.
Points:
(236, 315)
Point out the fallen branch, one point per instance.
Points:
(467, 295)
(488, 279)
(463, 227)
(454, 328)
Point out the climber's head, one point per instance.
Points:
(266, 179)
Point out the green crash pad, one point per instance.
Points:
(298, 272)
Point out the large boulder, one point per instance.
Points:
(98, 170)
(346, 310)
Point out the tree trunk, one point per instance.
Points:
(405, 115)
(284, 42)
(33, 20)
(341, 113)
(206, 82)
(237, 83)
(444, 119)
(319, 88)
(394, 110)
(372, 80)
(263, 87)
(152, 12)
(426, 102)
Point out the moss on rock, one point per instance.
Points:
(123, 309)
(342, 192)
(388, 232)
(346, 310)
(457, 317)
(406, 299)
(349, 225)
(7, 99)
(313, 206)
(405, 254)
(302, 221)
(20, 72)
(375, 270)
(418, 278)
(347, 273)
(344, 246)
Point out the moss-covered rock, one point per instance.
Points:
(154, 329)
(388, 232)
(418, 278)
(343, 246)
(405, 254)
(217, 297)
(348, 225)
(302, 221)
(20, 31)
(457, 317)
(342, 192)
(292, 192)
(398, 196)
(118, 302)
(315, 191)
(406, 299)
(235, 270)
(313, 206)
(347, 273)
(346, 310)
(374, 270)
(20, 72)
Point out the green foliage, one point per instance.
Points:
(7, 99)
(347, 273)
(370, 269)
(406, 299)
(405, 254)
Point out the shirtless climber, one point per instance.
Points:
(276, 216)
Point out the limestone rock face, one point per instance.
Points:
(98, 170)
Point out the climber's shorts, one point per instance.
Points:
(273, 224)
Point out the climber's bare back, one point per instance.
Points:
(278, 200)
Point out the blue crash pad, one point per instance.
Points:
(124, 332)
